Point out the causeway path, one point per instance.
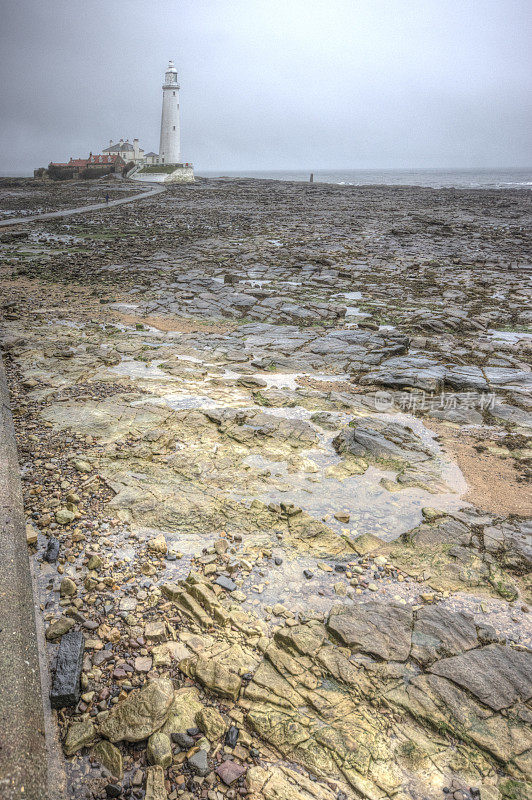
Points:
(68, 212)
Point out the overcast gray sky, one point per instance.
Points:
(271, 84)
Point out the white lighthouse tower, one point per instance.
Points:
(170, 145)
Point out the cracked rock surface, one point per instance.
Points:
(275, 442)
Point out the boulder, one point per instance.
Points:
(182, 714)
(210, 721)
(140, 714)
(217, 678)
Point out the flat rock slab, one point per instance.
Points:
(439, 632)
(497, 675)
(226, 583)
(380, 629)
(65, 687)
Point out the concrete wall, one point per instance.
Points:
(179, 175)
(23, 752)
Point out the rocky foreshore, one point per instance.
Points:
(275, 448)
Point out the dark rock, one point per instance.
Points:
(52, 550)
(65, 687)
(183, 740)
(231, 737)
(308, 574)
(199, 763)
(111, 790)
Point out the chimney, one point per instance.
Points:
(110, 142)
(136, 149)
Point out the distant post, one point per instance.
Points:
(311, 177)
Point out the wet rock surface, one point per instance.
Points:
(274, 442)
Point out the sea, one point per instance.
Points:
(436, 178)
(518, 178)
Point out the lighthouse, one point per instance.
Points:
(170, 145)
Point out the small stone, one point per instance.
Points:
(138, 778)
(155, 631)
(158, 544)
(82, 466)
(226, 583)
(31, 534)
(308, 574)
(199, 763)
(95, 562)
(52, 550)
(155, 788)
(183, 740)
(64, 516)
(59, 627)
(68, 587)
(79, 734)
(143, 664)
(110, 758)
(231, 737)
(230, 771)
(342, 516)
(140, 713)
(373, 587)
(159, 750)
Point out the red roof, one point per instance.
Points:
(74, 162)
(105, 159)
(84, 162)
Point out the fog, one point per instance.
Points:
(298, 84)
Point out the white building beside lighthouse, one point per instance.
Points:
(170, 143)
